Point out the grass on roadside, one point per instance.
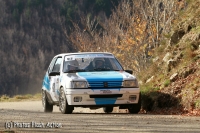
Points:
(27, 97)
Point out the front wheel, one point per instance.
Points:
(135, 108)
(47, 107)
(63, 105)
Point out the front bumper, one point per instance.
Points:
(102, 96)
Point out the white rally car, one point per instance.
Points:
(93, 80)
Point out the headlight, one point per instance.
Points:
(79, 84)
(130, 83)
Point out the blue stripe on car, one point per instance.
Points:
(103, 76)
(103, 101)
(46, 82)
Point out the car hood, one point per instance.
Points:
(101, 76)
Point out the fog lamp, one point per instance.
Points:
(132, 98)
(77, 99)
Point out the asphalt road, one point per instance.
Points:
(28, 117)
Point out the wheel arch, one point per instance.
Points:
(62, 87)
(49, 99)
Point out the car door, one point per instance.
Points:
(54, 80)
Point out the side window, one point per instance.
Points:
(51, 65)
(56, 67)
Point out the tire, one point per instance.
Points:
(47, 107)
(63, 105)
(108, 109)
(135, 108)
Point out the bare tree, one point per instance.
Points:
(132, 31)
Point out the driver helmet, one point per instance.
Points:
(96, 60)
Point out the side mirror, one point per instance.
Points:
(129, 71)
(54, 73)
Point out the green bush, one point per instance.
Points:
(167, 83)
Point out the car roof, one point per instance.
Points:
(77, 53)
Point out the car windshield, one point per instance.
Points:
(90, 62)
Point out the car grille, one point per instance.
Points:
(106, 84)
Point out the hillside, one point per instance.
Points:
(171, 85)
(32, 32)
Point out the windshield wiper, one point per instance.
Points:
(102, 69)
(74, 71)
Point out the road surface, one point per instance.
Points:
(29, 117)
